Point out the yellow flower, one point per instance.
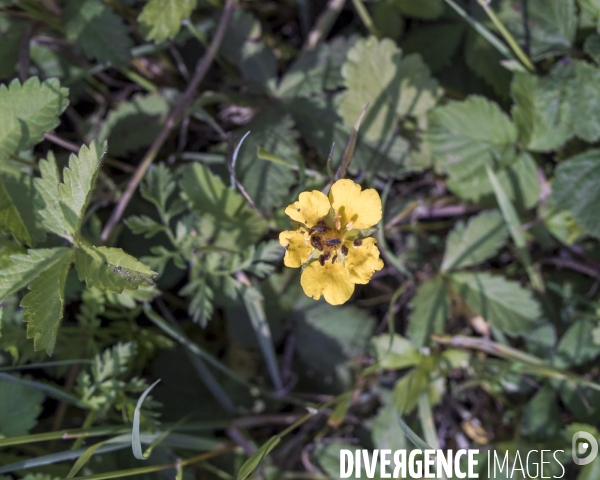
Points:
(332, 241)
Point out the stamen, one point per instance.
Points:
(344, 250)
(357, 242)
(333, 259)
(322, 260)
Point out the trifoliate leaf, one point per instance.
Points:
(316, 70)
(431, 309)
(474, 243)
(100, 32)
(429, 9)
(425, 41)
(395, 87)
(161, 19)
(111, 269)
(134, 124)
(20, 406)
(44, 303)
(235, 225)
(551, 25)
(575, 188)
(268, 183)
(24, 268)
(28, 112)
(541, 116)
(79, 180)
(10, 218)
(50, 209)
(504, 304)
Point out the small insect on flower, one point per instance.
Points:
(332, 243)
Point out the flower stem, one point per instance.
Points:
(365, 17)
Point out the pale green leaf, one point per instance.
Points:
(134, 124)
(315, 70)
(541, 116)
(551, 25)
(575, 188)
(19, 407)
(505, 304)
(474, 243)
(395, 87)
(431, 309)
(50, 209)
(161, 19)
(99, 31)
(24, 268)
(79, 179)
(44, 303)
(111, 269)
(395, 352)
(10, 218)
(28, 112)
(235, 224)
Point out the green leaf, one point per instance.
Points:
(484, 60)
(541, 415)
(249, 467)
(144, 225)
(474, 243)
(582, 97)
(201, 295)
(385, 431)
(316, 70)
(431, 309)
(408, 389)
(467, 135)
(395, 87)
(235, 224)
(577, 345)
(592, 46)
(161, 19)
(541, 116)
(10, 218)
(395, 352)
(425, 41)
(134, 124)
(428, 9)
(268, 183)
(19, 407)
(506, 305)
(158, 186)
(44, 303)
(50, 210)
(28, 112)
(551, 25)
(575, 188)
(79, 179)
(24, 268)
(100, 32)
(11, 32)
(388, 21)
(111, 269)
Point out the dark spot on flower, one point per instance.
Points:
(357, 242)
(299, 209)
(322, 260)
(344, 250)
(333, 259)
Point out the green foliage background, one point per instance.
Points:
(482, 331)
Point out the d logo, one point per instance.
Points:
(589, 446)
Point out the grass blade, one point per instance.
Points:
(136, 445)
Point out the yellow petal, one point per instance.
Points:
(310, 208)
(361, 207)
(297, 247)
(329, 280)
(363, 261)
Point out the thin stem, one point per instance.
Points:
(363, 13)
(324, 24)
(186, 99)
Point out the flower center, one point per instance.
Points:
(327, 240)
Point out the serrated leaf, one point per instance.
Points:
(395, 87)
(113, 362)
(474, 243)
(158, 186)
(268, 183)
(24, 268)
(431, 309)
(134, 124)
(540, 114)
(395, 352)
(100, 32)
(28, 112)
(551, 25)
(45, 301)
(79, 179)
(316, 70)
(504, 304)
(144, 225)
(111, 269)
(49, 209)
(575, 188)
(10, 218)
(19, 407)
(161, 19)
(235, 224)
(201, 300)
